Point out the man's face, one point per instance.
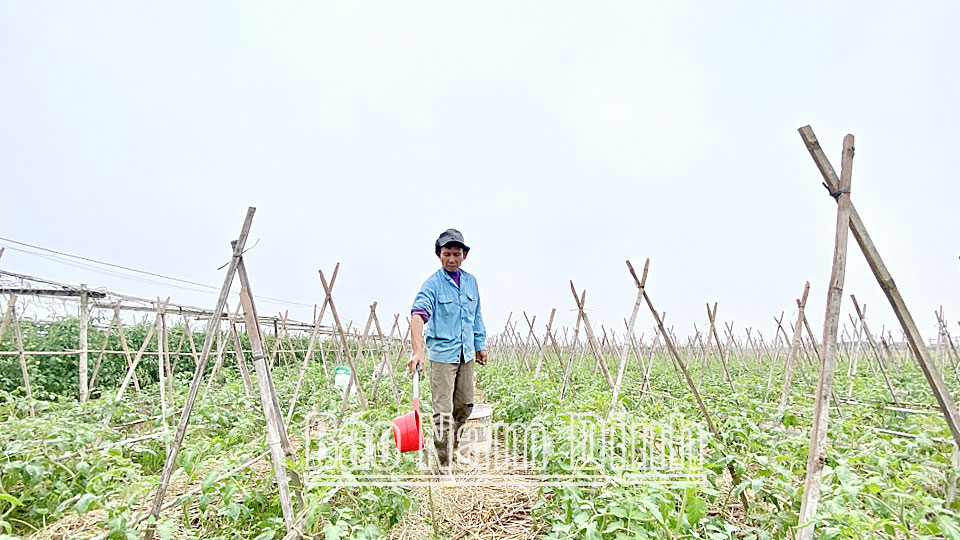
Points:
(452, 257)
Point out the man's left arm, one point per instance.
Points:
(479, 336)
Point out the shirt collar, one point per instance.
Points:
(455, 277)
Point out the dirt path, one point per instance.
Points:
(488, 496)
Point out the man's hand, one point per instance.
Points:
(481, 358)
(416, 362)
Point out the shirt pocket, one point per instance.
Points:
(446, 317)
(470, 305)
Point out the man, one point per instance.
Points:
(449, 301)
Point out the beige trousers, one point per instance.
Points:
(451, 386)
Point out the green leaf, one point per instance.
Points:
(31, 474)
(233, 511)
(696, 509)
(204, 502)
(208, 481)
(618, 511)
(592, 533)
(335, 531)
(83, 504)
(166, 529)
(614, 525)
(949, 526)
(266, 535)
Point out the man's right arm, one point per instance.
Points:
(423, 304)
(416, 337)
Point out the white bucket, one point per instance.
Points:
(477, 434)
(341, 380)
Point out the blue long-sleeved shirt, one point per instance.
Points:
(454, 324)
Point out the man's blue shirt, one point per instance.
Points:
(454, 325)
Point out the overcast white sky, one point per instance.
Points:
(561, 137)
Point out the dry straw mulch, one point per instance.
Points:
(487, 496)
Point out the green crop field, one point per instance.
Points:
(76, 470)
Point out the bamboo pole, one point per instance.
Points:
(23, 359)
(161, 371)
(635, 348)
(526, 342)
(84, 390)
(556, 350)
(133, 366)
(96, 367)
(188, 334)
(891, 361)
(287, 338)
(178, 352)
(271, 414)
(821, 415)
(700, 353)
(6, 314)
(773, 357)
(222, 343)
(311, 346)
(277, 349)
(166, 353)
(238, 353)
(949, 339)
(385, 363)
(646, 371)
(270, 389)
(354, 379)
(126, 348)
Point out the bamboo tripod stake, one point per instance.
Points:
(713, 332)
(626, 344)
(212, 325)
(876, 351)
(568, 366)
(384, 359)
(541, 355)
(788, 374)
(947, 406)
(734, 476)
(591, 338)
(354, 381)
